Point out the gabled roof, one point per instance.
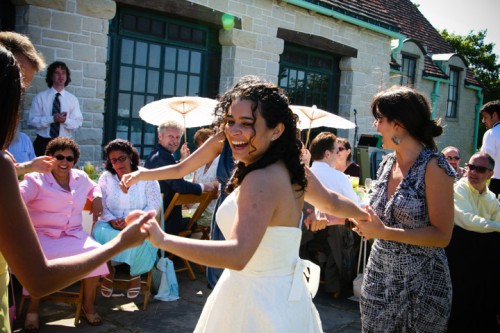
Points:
(404, 17)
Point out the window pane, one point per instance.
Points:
(154, 56)
(168, 84)
(136, 132)
(181, 85)
(157, 28)
(195, 62)
(139, 80)
(122, 129)
(125, 78)
(127, 53)
(198, 37)
(170, 58)
(128, 22)
(123, 105)
(141, 52)
(137, 104)
(194, 86)
(183, 61)
(185, 34)
(143, 24)
(153, 81)
(149, 134)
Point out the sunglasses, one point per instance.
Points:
(451, 158)
(341, 148)
(62, 157)
(119, 159)
(477, 168)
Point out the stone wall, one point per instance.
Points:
(255, 49)
(75, 32)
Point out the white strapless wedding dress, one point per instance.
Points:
(271, 294)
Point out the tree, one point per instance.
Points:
(482, 60)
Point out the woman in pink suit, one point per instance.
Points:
(55, 202)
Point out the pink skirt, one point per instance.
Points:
(66, 246)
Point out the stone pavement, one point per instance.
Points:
(122, 315)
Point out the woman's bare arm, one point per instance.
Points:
(331, 202)
(439, 197)
(257, 204)
(206, 153)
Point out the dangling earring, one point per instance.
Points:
(396, 139)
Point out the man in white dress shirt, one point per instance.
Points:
(54, 112)
(338, 242)
(490, 116)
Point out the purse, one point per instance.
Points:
(165, 286)
(358, 280)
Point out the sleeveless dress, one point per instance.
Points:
(271, 293)
(406, 288)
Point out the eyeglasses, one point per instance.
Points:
(477, 168)
(119, 159)
(451, 158)
(341, 148)
(62, 157)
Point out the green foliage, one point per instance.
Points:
(482, 60)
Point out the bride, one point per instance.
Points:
(263, 288)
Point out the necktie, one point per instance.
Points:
(56, 108)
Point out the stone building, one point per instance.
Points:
(330, 53)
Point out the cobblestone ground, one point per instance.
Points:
(122, 315)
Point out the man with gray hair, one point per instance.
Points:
(169, 140)
(473, 251)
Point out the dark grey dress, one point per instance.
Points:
(406, 288)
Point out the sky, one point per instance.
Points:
(460, 17)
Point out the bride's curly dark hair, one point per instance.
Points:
(273, 105)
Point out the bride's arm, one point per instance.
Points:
(206, 153)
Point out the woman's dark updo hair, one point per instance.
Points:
(272, 103)
(124, 146)
(411, 109)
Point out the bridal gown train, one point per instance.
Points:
(271, 294)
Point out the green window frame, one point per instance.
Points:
(154, 57)
(310, 78)
(453, 87)
(408, 70)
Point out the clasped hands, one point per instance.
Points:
(366, 228)
(369, 229)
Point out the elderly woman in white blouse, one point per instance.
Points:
(123, 158)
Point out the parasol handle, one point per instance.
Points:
(307, 137)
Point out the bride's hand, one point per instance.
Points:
(129, 179)
(156, 234)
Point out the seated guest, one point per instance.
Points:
(122, 158)
(22, 148)
(344, 161)
(452, 155)
(55, 201)
(169, 140)
(474, 251)
(338, 243)
(205, 174)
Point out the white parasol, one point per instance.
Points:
(191, 111)
(312, 117)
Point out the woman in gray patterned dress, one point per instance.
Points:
(407, 286)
